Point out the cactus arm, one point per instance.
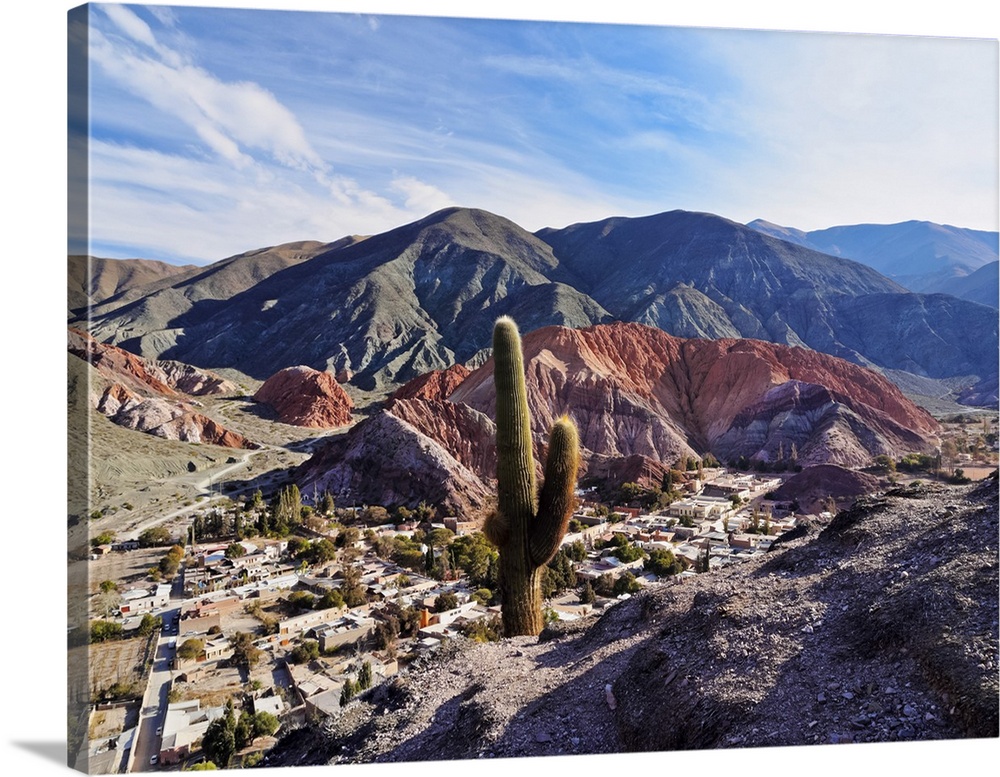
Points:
(556, 501)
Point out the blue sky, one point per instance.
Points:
(215, 131)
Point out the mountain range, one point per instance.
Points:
(922, 256)
(389, 307)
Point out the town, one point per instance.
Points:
(259, 616)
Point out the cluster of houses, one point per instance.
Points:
(343, 635)
(712, 516)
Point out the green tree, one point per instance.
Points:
(352, 590)
(306, 651)
(386, 632)
(286, 510)
(440, 537)
(190, 649)
(303, 600)
(322, 551)
(365, 678)
(264, 724)
(374, 515)
(425, 513)
(483, 596)
(587, 595)
(630, 492)
(243, 733)
(155, 536)
(477, 557)
(245, 653)
(204, 766)
(347, 537)
(445, 601)
(299, 547)
(628, 553)
(626, 584)
(605, 585)
(662, 563)
(149, 625)
(331, 599)
(235, 550)
(219, 742)
(489, 629)
(348, 692)
(102, 631)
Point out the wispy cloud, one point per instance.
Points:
(233, 119)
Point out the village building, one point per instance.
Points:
(142, 600)
(185, 724)
(700, 508)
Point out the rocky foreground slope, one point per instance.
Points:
(880, 626)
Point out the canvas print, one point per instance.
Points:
(451, 389)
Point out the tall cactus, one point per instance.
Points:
(527, 527)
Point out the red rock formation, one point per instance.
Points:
(166, 418)
(641, 400)
(166, 414)
(118, 364)
(306, 397)
(384, 460)
(167, 378)
(465, 433)
(633, 389)
(437, 384)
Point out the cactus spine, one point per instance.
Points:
(527, 527)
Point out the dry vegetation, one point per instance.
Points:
(127, 569)
(212, 689)
(120, 662)
(107, 723)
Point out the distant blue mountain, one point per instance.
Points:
(922, 256)
(981, 286)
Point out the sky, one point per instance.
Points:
(215, 131)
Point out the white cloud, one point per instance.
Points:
(233, 119)
(419, 196)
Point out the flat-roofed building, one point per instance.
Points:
(701, 508)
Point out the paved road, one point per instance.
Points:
(154, 701)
